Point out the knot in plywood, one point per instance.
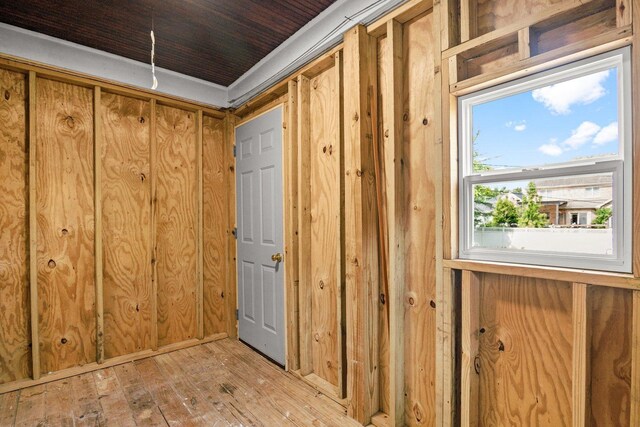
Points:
(417, 412)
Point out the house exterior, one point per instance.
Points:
(573, 201)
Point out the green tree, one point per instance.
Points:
(481, 193)
(602, 216)
(530, 215)
(478, 164)
(505, 213)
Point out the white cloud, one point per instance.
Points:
(551, 149)
(560, 97)
(517, 126)
(581, 135)
(607, 134)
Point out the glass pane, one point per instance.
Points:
(572, 120)
(571, 214)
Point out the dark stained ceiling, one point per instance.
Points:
(214, 40)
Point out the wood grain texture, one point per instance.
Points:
(65, 207)
(575, 31)
(291, 227)
(97, 208)
(304, 225)
(385, 95)
(635, 360)
(391, 81)
(580, 378)
(360, 226)
(215, 225)
(176, 224)
(493, 14)
(126, 212)
(324, 107)
(199, 229)
(470, 331)
(153, 228)
(420, 157)
(33, 233)
(525, 351)
(611, 319)
(217, 384)
(15, 336)
(232, 285)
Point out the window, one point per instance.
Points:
(579, 218)
(545, 167)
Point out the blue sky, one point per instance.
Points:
(558, 123)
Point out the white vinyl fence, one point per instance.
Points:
(575, 240)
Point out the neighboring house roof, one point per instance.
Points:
(483, 207)
(601, 179)
(554, 202)
(584, 204)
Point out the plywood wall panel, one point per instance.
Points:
(65, 215)
(324, 107)
(525, 351)
(420, 179)
(15, 337)
(126, 214)
(494, 14)
(176, 224)
(215, 225)
(611, 318)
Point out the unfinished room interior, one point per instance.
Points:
(320, 213)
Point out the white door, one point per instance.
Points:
(260, 246)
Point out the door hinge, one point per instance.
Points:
(235, 232)
(234, 151)
(236, 314)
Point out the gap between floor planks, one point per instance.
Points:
(215, 384)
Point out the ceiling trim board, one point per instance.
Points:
(312, 40)
(60, 53)
(307, 44)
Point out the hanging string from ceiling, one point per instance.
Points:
(153, 56)
(153, 66)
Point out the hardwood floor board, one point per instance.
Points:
(209, 377)
(301, 394)
(31, 406)
(59, 403)
(219, 384)
(8, 407)
(243, 393)
(113, 402)
(199, 408)
(140, 397)
(86, 407)
(167, 400)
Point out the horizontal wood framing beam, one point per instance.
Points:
(614, 280)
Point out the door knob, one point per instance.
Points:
(276, 257)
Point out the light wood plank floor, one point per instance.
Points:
(216, 384)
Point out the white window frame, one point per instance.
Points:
(619, 165)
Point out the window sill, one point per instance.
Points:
(598, 278)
